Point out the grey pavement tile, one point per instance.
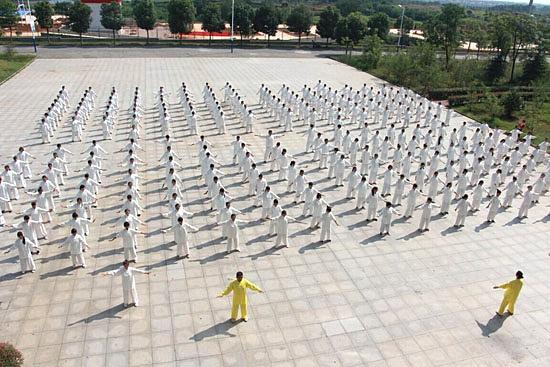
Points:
(399, 301)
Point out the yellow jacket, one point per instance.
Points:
(512, 289)
(239, 290)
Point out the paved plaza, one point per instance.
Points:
(408, 299)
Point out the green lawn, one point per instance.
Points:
(541, 130)
(11, 64)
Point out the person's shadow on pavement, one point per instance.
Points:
(221, 328)
(492, 325)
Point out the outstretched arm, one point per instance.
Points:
(253, 286)
(227, 290)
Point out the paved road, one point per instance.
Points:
(137, 52)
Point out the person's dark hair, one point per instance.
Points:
(239, 274)
(519, 274)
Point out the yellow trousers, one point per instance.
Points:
(235, 310)
(507, 301)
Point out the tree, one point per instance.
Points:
(443, 30)
(351, 29)
(379, 25)
(481, 38)
(62, 8)
(534, 112)
(243, 19)
(496, 68)
(266, 20)
(181, 14)
(328, 19)
(523, 31)
(300, 20)
(511, 102)
(535, 66)
(8, 15)
(79, 18)
(492, 105)
(357, 27)
(372, 52)
(408, 24)
(111, 18)
(212, 20)
(43, 11)
(499, 35)
(470, 27)
(145, 15)
(347, 7)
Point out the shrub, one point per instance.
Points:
(9, 356)
(496, 69)
(535, 66)
(511, 102)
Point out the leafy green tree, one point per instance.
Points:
(379, 25)
(79, 18)
(111, 18)
(500, 37)
(496, 68)
(145, 15)
(523, 31)
(43, 11)
(357, 26)
(212, 20)
(181, 14)
(300, 20)
(535, 66)
(443, 30)
(62, 8)
(347, 7)
(492, 105)
(534, 112)
(481, 38)
(244, 14)
(470, 27)
(351, 29)
(328, 19)
(266, 20)
(372, 52)
(511, 102)
(408, 24)
(8, 15)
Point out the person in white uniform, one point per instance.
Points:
(493, 206)
(181, 237)
(76, 244)
(386, 218)
(281, 228)
(326, 223)
(426, 216)
(526, 202)
(24, 249)
(232, 231)
(129, 291)
(462, 210)
(129, 241)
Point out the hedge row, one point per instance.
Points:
(449, 93)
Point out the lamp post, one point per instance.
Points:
(31, 21)
(400, 27)
(232, 22)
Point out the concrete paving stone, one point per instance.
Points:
(405, 300)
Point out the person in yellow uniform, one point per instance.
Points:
(511, 294)
(238, 287)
